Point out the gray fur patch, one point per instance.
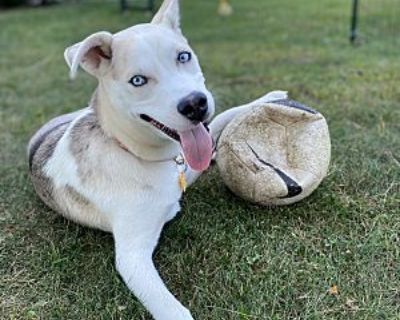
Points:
(67, 200)
(83, 135)
(76, 197)
(42, 133)
(78, 208)
(43, 185)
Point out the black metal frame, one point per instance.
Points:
(149, 7)
(354, 22)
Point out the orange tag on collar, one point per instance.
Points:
(182, 181)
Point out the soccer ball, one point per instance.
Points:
(278, 153)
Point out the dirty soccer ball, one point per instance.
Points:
(276, 154)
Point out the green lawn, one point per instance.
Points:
(224, 258)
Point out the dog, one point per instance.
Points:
(122, 164)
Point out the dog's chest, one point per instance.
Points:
(162, 178)
(153, 189)
(142, 183)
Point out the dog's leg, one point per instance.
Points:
(218, 124)
(221, 120)
(135, 240)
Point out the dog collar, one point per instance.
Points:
(179, 161)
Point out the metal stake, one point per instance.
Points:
(354, 22)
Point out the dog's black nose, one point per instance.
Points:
(194, 106)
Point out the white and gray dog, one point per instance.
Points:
(121, 164)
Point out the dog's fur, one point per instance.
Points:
(106, 168)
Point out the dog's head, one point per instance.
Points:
(150, 75)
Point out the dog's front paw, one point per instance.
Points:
(179, 313)
(183, 314)
(187, 315)
(273, 96)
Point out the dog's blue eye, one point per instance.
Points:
(138, 81)
(184, 57)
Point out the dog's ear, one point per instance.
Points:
(168, 15)
(93, 54)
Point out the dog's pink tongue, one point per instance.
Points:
(197, 147)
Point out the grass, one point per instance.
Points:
(224, 258)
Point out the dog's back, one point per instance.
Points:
(41, 148)
(66, 200)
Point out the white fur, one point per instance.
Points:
(134, 194)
